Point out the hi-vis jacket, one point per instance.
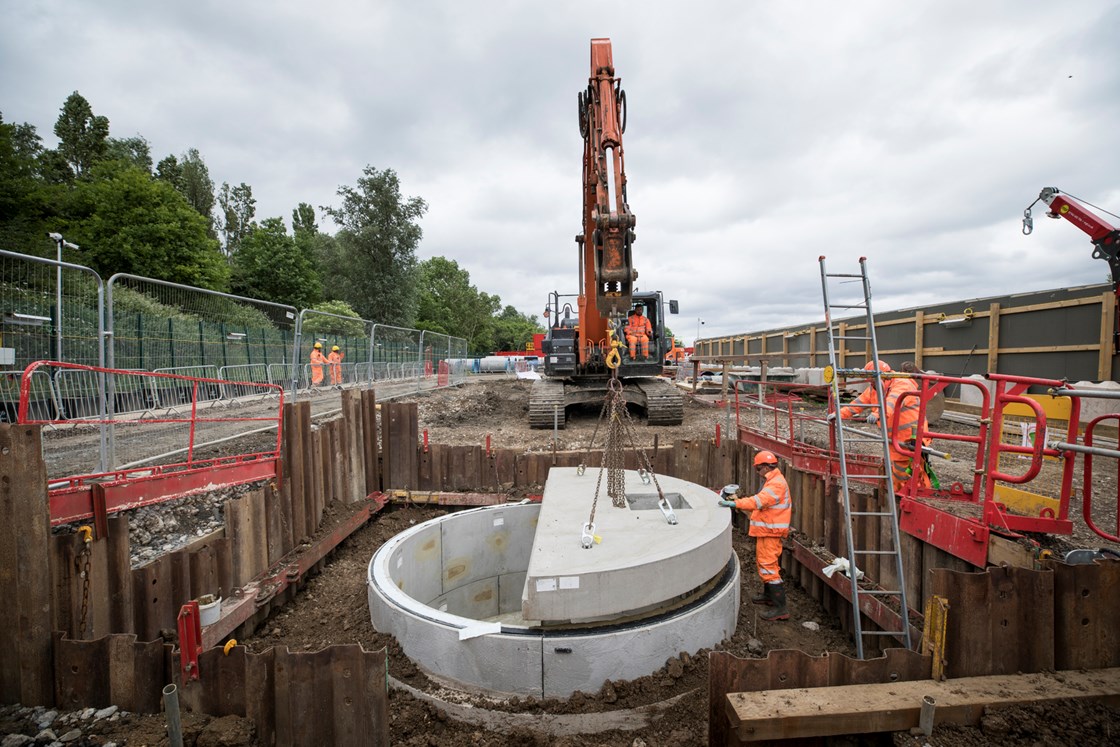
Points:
(770, 507)
(638, 325)
(866, 397)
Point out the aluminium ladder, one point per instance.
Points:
(848, 435)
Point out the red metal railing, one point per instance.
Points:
(773, 422)
(75, 497)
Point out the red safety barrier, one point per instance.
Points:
(773, 422)
(444, 377)
(98, 494)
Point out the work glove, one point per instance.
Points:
(872, 418)
(728, 504)
(831, 417)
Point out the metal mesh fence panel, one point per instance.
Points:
(396, 352)
(160, 325)
(352, 337)
(44, 319)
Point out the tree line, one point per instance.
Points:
(168, 221)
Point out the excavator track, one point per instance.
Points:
(664, 402)
(546, 404)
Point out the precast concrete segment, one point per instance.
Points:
(642, 560)
(443, 638)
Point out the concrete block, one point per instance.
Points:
(1092, 408)
(642, 560)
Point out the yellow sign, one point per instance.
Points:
(829, 374)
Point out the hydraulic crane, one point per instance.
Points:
(582, 353)
(1105, 237)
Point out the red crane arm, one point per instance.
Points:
(1062, 206)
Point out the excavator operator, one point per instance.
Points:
(638, 332)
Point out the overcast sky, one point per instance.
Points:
(759, 136)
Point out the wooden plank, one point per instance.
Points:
(412, 437)
(357, 450)
(26, 672)
(895, 706)
(204, 572)
(303, 410)
(369, 440)
(153, 603)
(297, 485)
(285, 502)
(224, 550)
(315, 467)
(334, 462)
(1108, 328)
(993, 338)
(273, 522)
(119, 570)
(919, 337)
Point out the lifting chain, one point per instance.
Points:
(619, 434)
(83, 561)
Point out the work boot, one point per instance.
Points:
(764, 597)
(778, 611)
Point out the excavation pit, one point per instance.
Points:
(504, 600)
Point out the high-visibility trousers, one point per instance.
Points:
(767, 552)
(901, 467)
(634, 341)
(316, 375)
(336, 374)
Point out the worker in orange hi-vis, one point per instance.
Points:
(317, 361)
(638, 332)
(770, 509)
(335, 359)
(905, 432)
(865, 406)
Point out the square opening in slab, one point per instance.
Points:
(648, 501)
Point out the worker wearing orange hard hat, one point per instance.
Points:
(771, 509)
(317, 361)
(335, 360)
(638, 332)
(866, 404)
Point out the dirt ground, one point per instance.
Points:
(332, 609)
(500, 408)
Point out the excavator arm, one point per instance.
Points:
(606, 259)
(1104, 236)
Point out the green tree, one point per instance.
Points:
(270, 266)
(303, 220)
(315, 325)
(448, 303)
(134, 150)
(125, 221)
(513, 330)
(198, 187)
(374, 268)
(27, 201)
(82, 136)
(169, 170)
(237, 209)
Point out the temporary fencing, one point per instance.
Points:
(51, 310)
(76, 453)
(351, 335)
(156, 324)
(153, 351)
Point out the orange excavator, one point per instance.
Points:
(581, 353)
(1105, 237)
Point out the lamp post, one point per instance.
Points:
(699, 321)
(59, 243)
